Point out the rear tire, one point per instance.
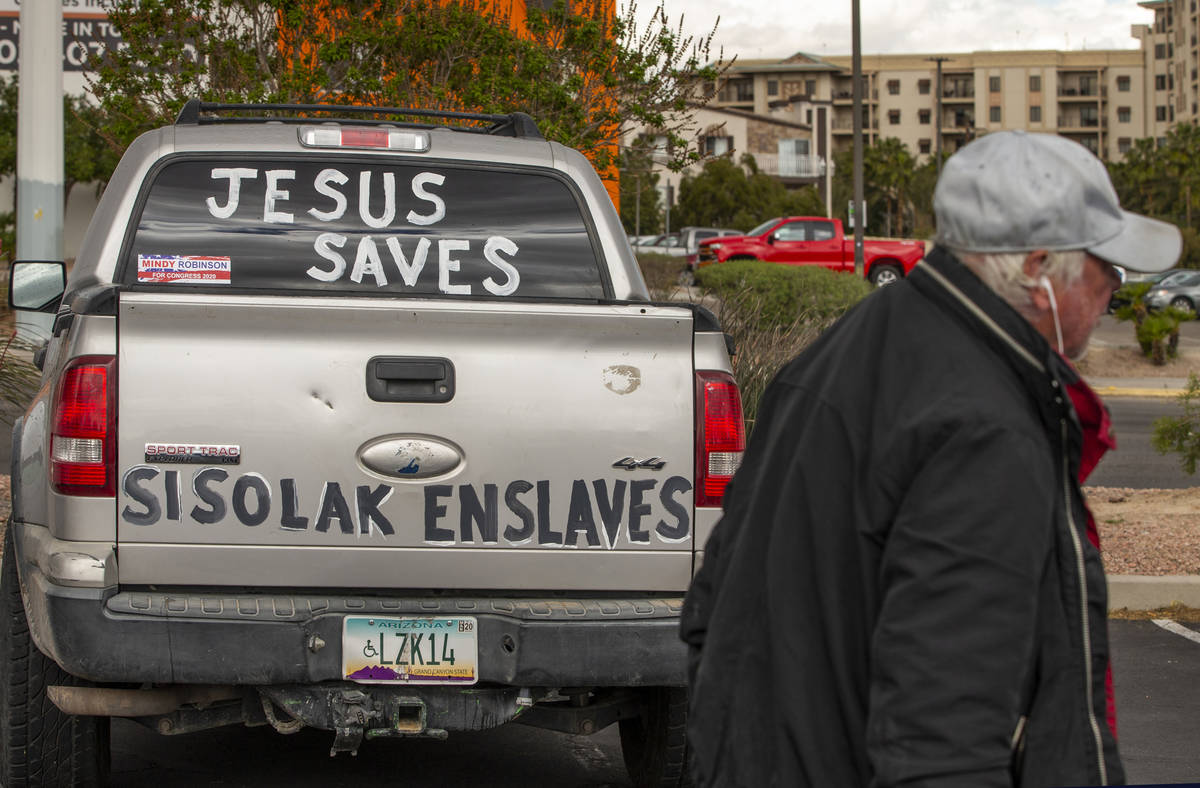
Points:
(39, 744)
(654, 744)
(1183, 304)
(883, 275)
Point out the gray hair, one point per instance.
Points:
(1004, 273)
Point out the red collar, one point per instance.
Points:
(1096, 424)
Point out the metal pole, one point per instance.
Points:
(828, 163)
(40, 142)
(859, 212)
(938, 119)
(637, 206)
(670, 199)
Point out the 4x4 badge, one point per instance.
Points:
(630, 464)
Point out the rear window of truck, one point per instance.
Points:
(351, 225)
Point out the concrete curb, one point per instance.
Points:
(1122, 391)
(1139, 592)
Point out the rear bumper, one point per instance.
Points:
(106, 635)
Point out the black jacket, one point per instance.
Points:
(901, 591)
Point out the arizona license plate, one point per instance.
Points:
(410, 650)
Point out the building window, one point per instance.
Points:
(1160, 113)
(994, 84)
(810, 87)
(737, 90)
(893, 87)
(923, 116)
(808, 116)
(716, 146)
(1089, 117)
(1124, 114)
(923, 146)
(772, 87)
(1123, 144)
(1123, 84)
(1160, 81)
(923, 87)
(1170, 81)
(1160, 142)
(1035, 113)
(994, 114)
(1160, 51)
(1171, 113)
(893, 116)
(1170, 50)
(1035, 84)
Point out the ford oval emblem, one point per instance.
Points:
(409, 457)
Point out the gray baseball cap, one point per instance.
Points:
(1012, 191)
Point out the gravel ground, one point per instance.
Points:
(1148, 532)
(1125, 362)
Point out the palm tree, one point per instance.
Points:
(889, 168)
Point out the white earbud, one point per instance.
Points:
(1044, 281)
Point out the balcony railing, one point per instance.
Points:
(958, 91)
(790, 165)
(1068, 122)
(1090, 91)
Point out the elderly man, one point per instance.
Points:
(903, 589)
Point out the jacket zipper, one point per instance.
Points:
(1083, 605)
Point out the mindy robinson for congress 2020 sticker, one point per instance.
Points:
(185, 269)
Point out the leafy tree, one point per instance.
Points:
(890, 169)
(87, 158)
(899, 195)
(641, 205)
(584, 74)
(739, 196)
(1182, 433)
(1164, 180)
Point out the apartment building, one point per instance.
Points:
(1097, 98)
(1171, 60)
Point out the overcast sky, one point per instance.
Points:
(778, 28)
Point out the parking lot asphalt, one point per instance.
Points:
(1156, 678)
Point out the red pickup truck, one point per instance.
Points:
(814, 240)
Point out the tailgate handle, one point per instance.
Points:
(410, 379)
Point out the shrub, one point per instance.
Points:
(786, 292)
(773, 312)
(1157, 332)
(662, 273)
(1182, 433)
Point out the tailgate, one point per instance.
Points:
(277, 441)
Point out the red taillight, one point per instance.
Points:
(364, 138)
(720, 435)
(83, 438)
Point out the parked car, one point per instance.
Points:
(685, 242)
(1121, 298)
(1180, 290)
(691, 237)
(815, 240)
(663, 244)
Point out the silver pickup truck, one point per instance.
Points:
(363, 425)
